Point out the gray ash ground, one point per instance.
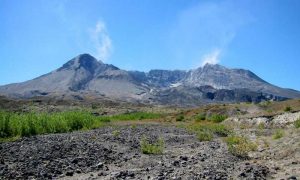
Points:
(101, 154)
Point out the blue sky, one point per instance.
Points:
(38, 36)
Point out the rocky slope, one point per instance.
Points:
(99, 154)
(86, 76)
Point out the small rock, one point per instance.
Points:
(130, 174)
(106, 168)
(176, 163)
(243, 174)
(102, 173)
(70, 173)
(74, 161)
(184, 158)
(115, 174)
(99, 165)
(78, 171)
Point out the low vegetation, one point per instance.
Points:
(116, 133)
(180, 117)
(297, 123)
(260, 129)
(287, 109)
(134, 116)
(152, 148)
(264, 103)
(204, 136)
(217, 118)
(205, 131)
(200, 117)
(261, 126)
(278, 134)
(28, 124)
(240, 146)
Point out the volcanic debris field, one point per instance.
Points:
(101, 154)
(233, 141)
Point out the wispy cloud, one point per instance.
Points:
(102, 43)
(205, 30)
(211, 58)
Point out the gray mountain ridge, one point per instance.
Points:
(84, 76)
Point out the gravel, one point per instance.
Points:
(99, 154)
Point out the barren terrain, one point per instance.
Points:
(193, 147)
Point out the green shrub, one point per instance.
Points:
(240, 146)
(116, 133)
(219, 129)
(152, 148)
(135, 116)
(297, 123)
(278, 134)
(5, 126)
(180, 117)
(217, 118)
(133, 126)
(200, 117)
(287, 109)
(261, 126)
(204, 136)
(265, 103)
(29, 124)
(207, 130)
(260, 129)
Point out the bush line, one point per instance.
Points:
(29, 124)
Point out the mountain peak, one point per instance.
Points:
(85, 74)
(86, 57)
(85, 61)
(212, 66)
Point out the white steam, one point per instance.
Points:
(212, 57)
(102, 41)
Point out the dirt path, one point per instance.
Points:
(114, 153)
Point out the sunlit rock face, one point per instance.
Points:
(86, 75)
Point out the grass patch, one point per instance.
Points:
(9, 139)
(240, 146)
(116, 133)
(152, 148)
(206, 130)
(297, 123)
(278, 134)
(261, 126)
(29, 124)
(135, 116)
(133, 126)
(217, 118)
(180, 117)
(287, 109)
(265, 103)
(260, 129)
(204, 136)
(200, 117)
(218, 129)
